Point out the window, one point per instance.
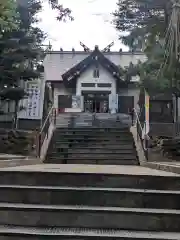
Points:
(87, 84)
(104, 85)
(64, 101)
(96, 73)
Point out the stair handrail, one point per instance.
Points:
(139, 128)
(44, 130)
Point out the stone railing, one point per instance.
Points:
(45, 134)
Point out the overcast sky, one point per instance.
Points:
(92, 25)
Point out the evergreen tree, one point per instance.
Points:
(21, 54)
(144, 20)
(63, 13)
(20, 50)
(147, 22)
(8, 20)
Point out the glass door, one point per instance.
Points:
(97, 105)
(88, 105)
(104, 106)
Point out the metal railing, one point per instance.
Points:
(44, 131)
(140, 132)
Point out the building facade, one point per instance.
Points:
(92, 80)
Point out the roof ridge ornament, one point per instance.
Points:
(86, 49)
(108, 48)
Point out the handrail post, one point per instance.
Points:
(137, 127)
(55, 116)
(145, 140)
(132, 116)
(44, 131)
(146, 146)
(39, 145)
(93, 119)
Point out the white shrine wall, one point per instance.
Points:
(87, 77)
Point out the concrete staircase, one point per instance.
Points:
(63, 120)
(92, 146)
(92, 120)
(74, 202)
(83, 120)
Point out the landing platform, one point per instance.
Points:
(80, 168)
(173, 167)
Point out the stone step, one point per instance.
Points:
(98, 156)
(12, 156)
(35, 233)
(93, 132)
(95, 140)
(139, 219)
(107, 124)
(109, 145)
(108, 197)
(89, 145)
(95, 161)
(90, 176)
(93, 135)
(62, 124)
(92, 151)
(92, 138)
(94, 129)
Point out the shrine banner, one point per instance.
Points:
(33, 103)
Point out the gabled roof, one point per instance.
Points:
(96, 57)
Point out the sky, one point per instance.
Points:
(92, 25)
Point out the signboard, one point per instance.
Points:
(82, 103)
(33, 104)
(113, 103)
(76, 101)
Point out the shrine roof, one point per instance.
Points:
(95, 58)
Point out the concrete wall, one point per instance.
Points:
(59, 89)
(23, 124)
(134, 91)
(56, 63)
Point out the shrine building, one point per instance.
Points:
(91, 80)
